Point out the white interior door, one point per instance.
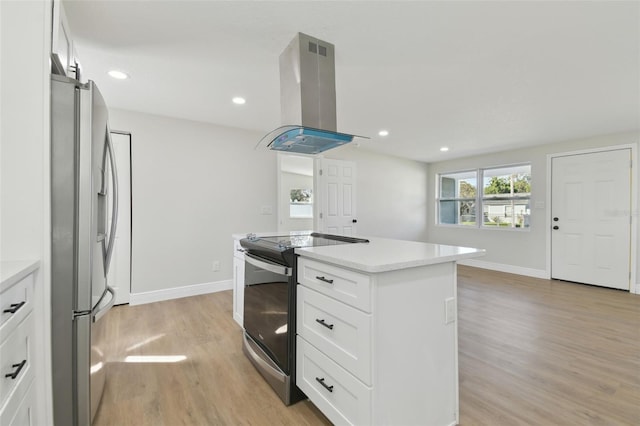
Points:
(591, 218)
(338, 205)
(120, 271)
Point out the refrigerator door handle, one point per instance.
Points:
(114, 208)
(103, 311)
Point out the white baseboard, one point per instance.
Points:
(178, 292)
(637, 289)
(511, 269)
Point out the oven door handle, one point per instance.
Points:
(271, 267)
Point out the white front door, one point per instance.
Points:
(338, 192)
(591, 211)
(120, 271)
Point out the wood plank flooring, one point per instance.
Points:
(531, 352)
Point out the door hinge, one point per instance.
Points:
(321, 216)
(320, 172)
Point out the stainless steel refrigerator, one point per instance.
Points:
(84, 206)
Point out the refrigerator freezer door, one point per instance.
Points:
(82, 389)
(98, 349)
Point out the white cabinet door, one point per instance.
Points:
(61, 41)
(591, 208)
(238, 289)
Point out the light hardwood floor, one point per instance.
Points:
(531, 352)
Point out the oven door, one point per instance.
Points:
(266, 307)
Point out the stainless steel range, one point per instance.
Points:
(270, 305)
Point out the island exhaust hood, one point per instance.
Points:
(307, 97)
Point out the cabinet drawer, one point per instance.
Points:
(340, 396)
(17, 298)
(350, 287)
(340, 331)
(25, 414)
(16, 357)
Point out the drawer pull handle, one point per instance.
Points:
(240, 250)
(327, 387)
(325, 280)
(14, 307)
(18, 368)
(321, 322)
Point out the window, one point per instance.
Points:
(301, 203)
(458, 198)
(503, 201)
(506, 193)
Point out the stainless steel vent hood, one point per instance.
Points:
(307, 99)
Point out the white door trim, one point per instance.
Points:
(635, 286)
(120, 299)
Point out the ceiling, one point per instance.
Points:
(475, 76)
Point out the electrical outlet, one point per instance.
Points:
(215, 265)
(449, 310)
(266, 210)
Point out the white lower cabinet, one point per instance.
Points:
(338, 330)
(238, 282)
(16, 359)
(340, 396)
(18, 397)
(26, 414)
(378, 348)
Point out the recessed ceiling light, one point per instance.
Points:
(444, 149)
(119, 75)
(383, 133)
(239, 101)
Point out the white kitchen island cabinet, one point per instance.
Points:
(377, 334)
(19, 403)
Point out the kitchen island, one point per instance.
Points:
(377, 331)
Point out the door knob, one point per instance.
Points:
(556, 227)
(555, 219)
(354, 220)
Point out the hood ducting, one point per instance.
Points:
(307, 99)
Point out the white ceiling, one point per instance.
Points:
(475, 76)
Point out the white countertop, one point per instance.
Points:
(382, 254)
(12, 271)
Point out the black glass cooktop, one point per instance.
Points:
(279, 248)
(314, 239)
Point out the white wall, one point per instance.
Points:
(289, 181)
(523, 250)
(193, 185)
(25, 40)
(391, 194)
